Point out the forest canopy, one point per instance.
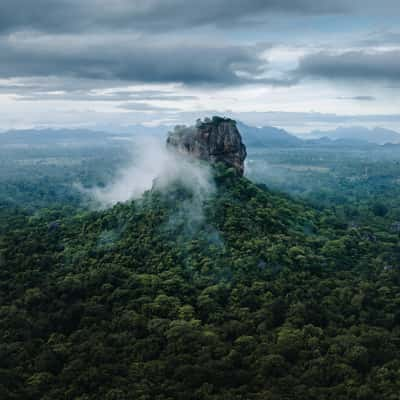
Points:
(262, 297)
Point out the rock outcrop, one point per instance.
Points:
(214, 140)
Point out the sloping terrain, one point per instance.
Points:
(248, 295)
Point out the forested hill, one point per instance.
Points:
(247, 296)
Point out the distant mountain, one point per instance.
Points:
(46, 137)
(345, 142)
(74, 137)
(358, 133)
(267, 136)
(159, 131)
(77, 136)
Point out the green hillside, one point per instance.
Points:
(249, 295)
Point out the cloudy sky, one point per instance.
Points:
(297, 64)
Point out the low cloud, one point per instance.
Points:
(357, 98)
(154, 166)
(378, 66)
(380, 38)
(138, 106)
(69, 89)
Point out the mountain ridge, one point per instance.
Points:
(253, 136)
(375, 135)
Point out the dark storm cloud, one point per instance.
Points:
(73, 15)
(125, 40)
(128, 58)
(93, 44)
(353, 65)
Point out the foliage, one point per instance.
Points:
(262, 298)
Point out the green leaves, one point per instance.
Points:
(266, 298)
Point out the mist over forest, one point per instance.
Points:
(124, 259)
(199, 200)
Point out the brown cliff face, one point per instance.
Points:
(216, 140)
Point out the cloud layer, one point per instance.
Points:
(160, 15)
(160, 59)
(128, 58)
(153, 165)
(354, 65)
(148, 15)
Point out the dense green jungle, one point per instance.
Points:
(282, 284)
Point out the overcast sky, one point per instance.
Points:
(297, 64)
